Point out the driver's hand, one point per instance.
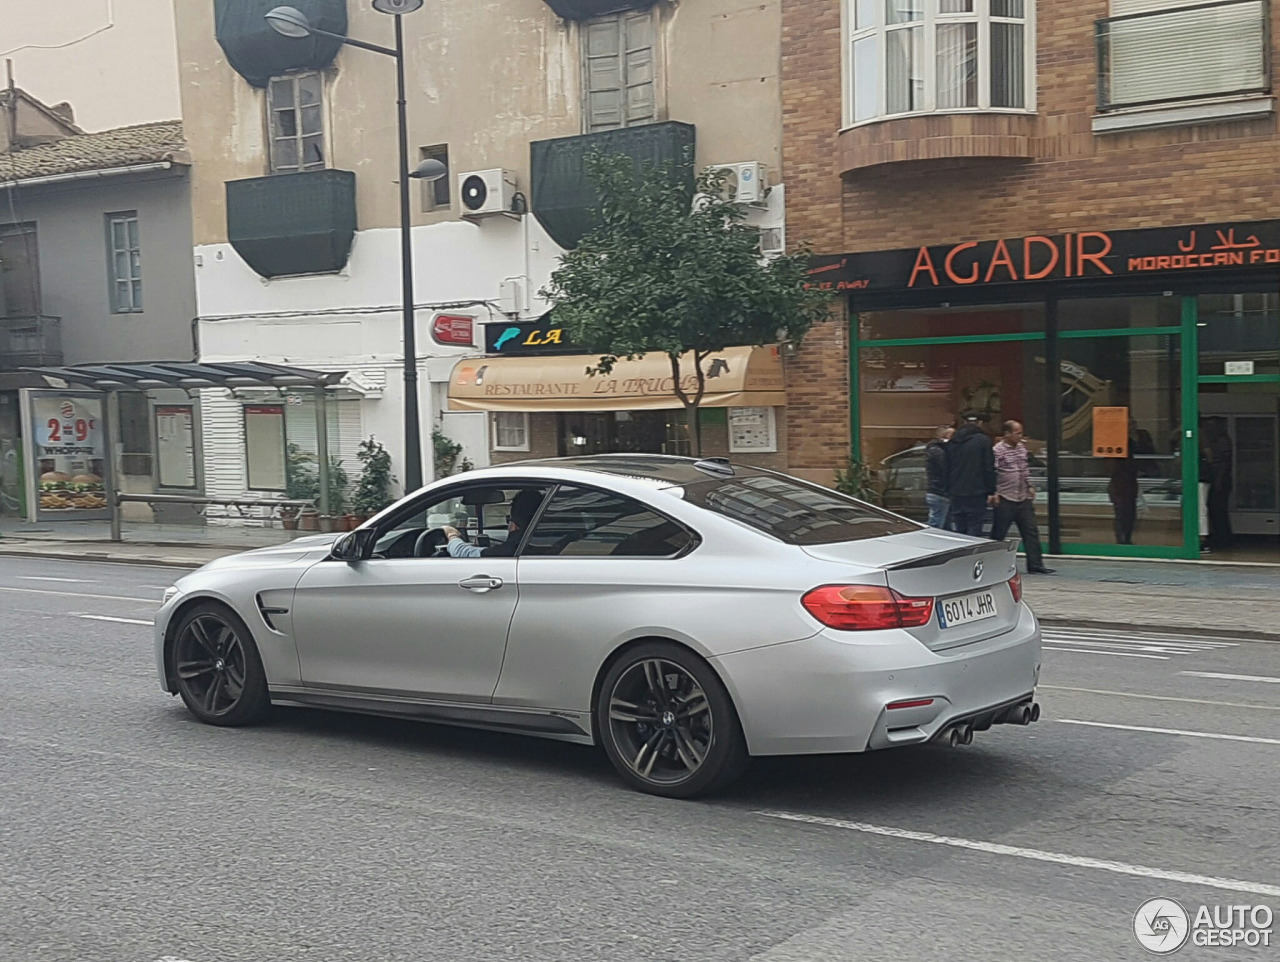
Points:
(450, 532)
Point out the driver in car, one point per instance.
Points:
(523, 507)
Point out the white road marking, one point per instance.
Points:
(1102, 642)
(1093, 651)
(123, 621)
(77, 594)
(1216, 674)
(1134, 694)
(1172, 731)
(1016, 851)
(70, 581)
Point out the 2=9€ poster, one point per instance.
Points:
(67, 448)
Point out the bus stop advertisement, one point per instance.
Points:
(69, 455)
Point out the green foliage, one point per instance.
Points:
(666, 272)
(446, 452)
(302, 481)
(373, 489)
(857, 480)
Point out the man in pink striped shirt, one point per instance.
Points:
(1015, 498)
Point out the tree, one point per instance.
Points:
(373, 491)
(665, 270)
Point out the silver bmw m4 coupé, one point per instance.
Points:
(683, 614)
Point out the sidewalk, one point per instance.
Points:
(1241, 600)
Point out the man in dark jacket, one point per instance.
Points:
(937, 491)
(971, 475)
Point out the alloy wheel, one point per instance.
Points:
(211, 665)
(661, 721)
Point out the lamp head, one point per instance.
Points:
(288, 22)
(429, 170)
(396, 7)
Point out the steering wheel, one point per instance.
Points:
(429, 543)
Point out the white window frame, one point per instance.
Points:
(300, 137)
(929, 25)
(493, 431)
(131, 301)
(771, 424)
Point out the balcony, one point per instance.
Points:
(293, 223)
(34, 341)
(1195, 64)
(564, 198)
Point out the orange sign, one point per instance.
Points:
(1110, 432)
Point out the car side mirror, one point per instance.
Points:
(355, 546)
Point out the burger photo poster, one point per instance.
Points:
(69, 455)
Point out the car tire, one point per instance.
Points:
(217, 667)
(667, 723)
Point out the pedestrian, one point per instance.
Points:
(1124, 489)
(1221, 460)
(1015, 498)
(971, 475)
(1206, 478)
(937, 493)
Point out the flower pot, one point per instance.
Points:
(350, 522)
(328, 523)
(289, 521)
(309, 522)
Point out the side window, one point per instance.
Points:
(480, 512)
(581, 522)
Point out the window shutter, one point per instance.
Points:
(1185, 53)
(638, 36)
(604, 75)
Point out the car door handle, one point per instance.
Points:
(480, 583)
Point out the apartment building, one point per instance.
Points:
(296, 218)
(1055, 211)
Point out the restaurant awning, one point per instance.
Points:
(736, 377)
(148, 375)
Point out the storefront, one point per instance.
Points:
(1174, 331)
(541, 402)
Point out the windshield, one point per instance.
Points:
(793, 511)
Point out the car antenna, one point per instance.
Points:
(720, 467)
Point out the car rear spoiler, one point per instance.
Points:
(942, 557)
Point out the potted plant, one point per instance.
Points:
(446, 451)
(373, 490)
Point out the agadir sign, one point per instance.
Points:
(1085, 254)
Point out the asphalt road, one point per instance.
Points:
(130, 832)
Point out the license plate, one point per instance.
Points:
(966, 608)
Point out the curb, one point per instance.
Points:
(102, 556)
(1220, 634)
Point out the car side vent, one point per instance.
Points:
(719, 467)
(267, 611)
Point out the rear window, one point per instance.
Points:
(795, 512)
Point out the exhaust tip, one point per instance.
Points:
(966, 735)
(1035, 712)
(953, 737)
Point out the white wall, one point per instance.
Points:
(351, 321)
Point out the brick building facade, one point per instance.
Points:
(942, 153)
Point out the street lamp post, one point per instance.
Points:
(292, 22)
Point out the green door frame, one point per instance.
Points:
(1187, 333)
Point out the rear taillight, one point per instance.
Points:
(866, 608)
(1015, 585)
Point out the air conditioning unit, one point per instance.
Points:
(745, 183)
(485, 192)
